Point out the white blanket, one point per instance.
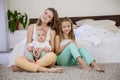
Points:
(95, 35)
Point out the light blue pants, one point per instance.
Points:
(69, 55)
(31, 56)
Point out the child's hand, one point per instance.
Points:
(30, 49)
(34, 52)
(46, 49)
(38, 52)
(37, 55)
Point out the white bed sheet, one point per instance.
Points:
(112, 38)
(96, 36)
(104, 53)
(103, 45)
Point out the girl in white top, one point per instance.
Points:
(17, 60)
(68, 52)
(39, 46)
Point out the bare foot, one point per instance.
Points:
(98, 69)
(15, 68)
(83, 64)
(31, 60)
(56, 70)
(87, 68)
(53, 70)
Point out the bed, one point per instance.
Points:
(100, 35)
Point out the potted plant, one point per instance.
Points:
(14, 18)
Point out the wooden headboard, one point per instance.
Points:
(74, 19)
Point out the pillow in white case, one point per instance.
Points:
(109, 27)
(101, 22)
(74, 26)
(83, 21)
(105, 24)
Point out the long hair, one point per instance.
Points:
(71, 33)
(54, 23)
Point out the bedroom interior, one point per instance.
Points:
(105, 19)
(107, 48)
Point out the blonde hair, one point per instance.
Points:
(55, 19)
(71, 33)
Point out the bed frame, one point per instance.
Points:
(74, 19)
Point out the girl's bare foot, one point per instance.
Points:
(87, 68)
(56, 70)
(15, 68)
(98, 69)
(53, 70)
(83, 64)
(31, 60)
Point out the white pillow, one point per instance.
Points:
(101, 22)
(109, 27)
(105, 24)
(74, 26)
(83, 21)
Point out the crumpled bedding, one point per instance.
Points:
(96, 36)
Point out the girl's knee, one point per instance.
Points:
(52, 55)
(72, 45)
(82, 49)
(20, 60)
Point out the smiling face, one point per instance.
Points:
(66, 27)
(47, 16)
(41, 35)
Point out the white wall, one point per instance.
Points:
(3, 27)
(67, 7)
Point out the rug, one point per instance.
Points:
(112, 72)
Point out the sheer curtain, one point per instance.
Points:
(3, 27)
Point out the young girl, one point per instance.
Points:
(40, 46)
(67, 51)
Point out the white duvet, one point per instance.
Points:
(96, 35)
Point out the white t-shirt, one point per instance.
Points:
(37, 44)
